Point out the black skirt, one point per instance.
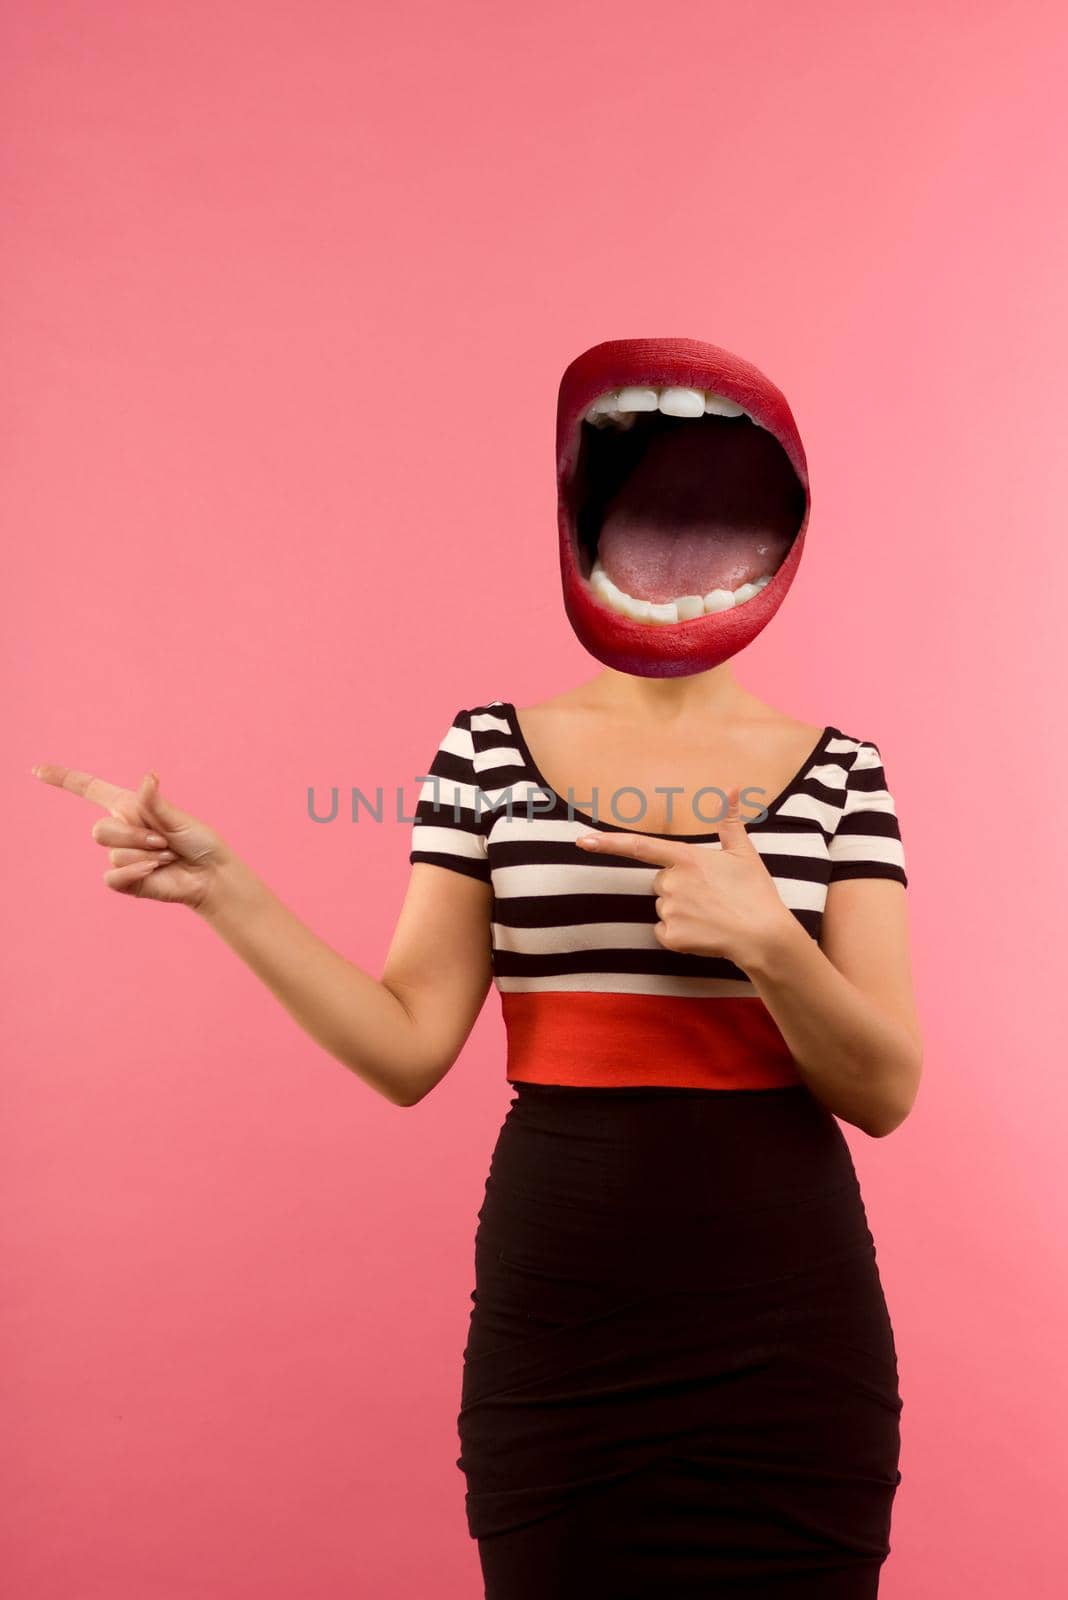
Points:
(680, 1377)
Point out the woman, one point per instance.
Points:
(680, 1377)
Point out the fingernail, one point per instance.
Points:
(155, 839)
(590, 840)
(168, 855)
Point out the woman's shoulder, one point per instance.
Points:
(485, 718)
(468, 714)
(853, 742)
(484, 727)
(858, 767)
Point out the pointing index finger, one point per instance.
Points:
(96, 790)
(638, 846)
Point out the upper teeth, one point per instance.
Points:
(682, 609)
(621, 405)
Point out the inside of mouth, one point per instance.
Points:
(673, 506)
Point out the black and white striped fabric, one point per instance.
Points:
(562, 919)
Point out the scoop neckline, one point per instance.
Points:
(512, 718)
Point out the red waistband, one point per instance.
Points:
(611, 1040)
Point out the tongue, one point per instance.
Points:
(648, 563)
(700, 511)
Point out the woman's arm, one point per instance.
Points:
(845, 1006)
(400, 1033)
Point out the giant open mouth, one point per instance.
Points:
(683, 502)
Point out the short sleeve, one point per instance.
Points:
(867, 841)
(449, 829)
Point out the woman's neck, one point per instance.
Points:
(714, 693)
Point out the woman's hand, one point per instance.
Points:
(847, 1014)
(156, 851)
(709, 902)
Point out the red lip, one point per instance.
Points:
(669, 649)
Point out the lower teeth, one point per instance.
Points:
(683, 609)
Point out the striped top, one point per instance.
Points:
(589, 995)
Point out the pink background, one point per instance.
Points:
(287, 292)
